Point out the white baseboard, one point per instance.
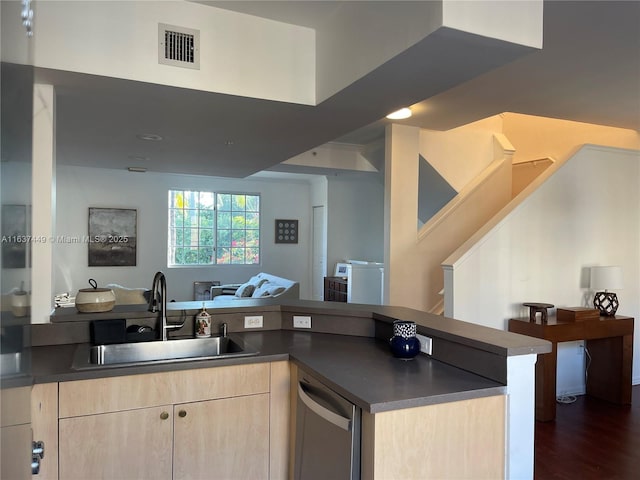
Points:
(581, 390)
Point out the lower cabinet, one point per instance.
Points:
(190, 440)
(112, 445)
(15, 433)
(460, 439)
(452, 440)
(227, 438)
(227, 422)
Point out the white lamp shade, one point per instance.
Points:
(606, 278)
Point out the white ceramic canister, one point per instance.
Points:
(94, 299)
(203, 324)
(20, 303)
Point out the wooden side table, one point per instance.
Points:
(609, 341)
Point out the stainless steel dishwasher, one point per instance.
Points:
(327, 433)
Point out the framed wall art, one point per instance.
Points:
(286, 231)
(112, 237)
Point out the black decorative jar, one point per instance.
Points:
(404, 343)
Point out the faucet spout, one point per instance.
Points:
(158, 304)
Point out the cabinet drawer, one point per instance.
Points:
(87, 397)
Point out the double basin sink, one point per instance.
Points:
(170, 351)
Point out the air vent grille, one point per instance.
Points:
(178, 46)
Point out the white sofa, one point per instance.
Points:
(129, 296)
(262, 285)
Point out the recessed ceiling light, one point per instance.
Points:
(152, 137)
(400, 114)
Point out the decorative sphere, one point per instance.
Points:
(405, 348)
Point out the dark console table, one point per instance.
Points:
(609, 341)
(335, 289)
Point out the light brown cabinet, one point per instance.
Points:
(192, 440)
(463, 439)
(15, 433)
(129, 444)
(224, 422)
(226, 438)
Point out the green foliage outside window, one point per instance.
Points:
(207, 228)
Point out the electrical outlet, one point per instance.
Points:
(301, 321)
(426, 344)
(254, 321)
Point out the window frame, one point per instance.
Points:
(174, 230)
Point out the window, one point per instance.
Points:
(207, 228)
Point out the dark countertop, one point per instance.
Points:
(361, 369)
(364, 371)
(492, 340)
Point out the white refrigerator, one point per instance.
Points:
(364, 281)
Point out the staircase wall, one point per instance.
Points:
(526, 172)
(584, 214)
(540, 137)
(413, 275)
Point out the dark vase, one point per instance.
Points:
(404, 343)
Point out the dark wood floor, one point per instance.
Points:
(590, 439)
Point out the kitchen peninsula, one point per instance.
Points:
(461, 391)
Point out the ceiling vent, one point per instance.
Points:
(178, 46)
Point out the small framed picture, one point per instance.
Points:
(286, 231)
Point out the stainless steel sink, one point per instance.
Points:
(11, 364)
(126, 354)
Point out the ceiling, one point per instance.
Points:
(588, 71)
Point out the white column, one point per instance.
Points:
(521, 393)
(43, 202)
(402, 144)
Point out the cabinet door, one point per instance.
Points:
(226, 439)
(15, 455)
(15, 433)
(128, 444)
(44, 422)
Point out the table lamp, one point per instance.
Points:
(602, 280)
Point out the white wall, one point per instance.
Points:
(15, 46)
(355, 216)
(586, 214)
(239, 54)
(461, 154)
(361, 36)
(518, 22)
(80, 188)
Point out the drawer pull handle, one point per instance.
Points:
(164, 415)
(182, 413)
